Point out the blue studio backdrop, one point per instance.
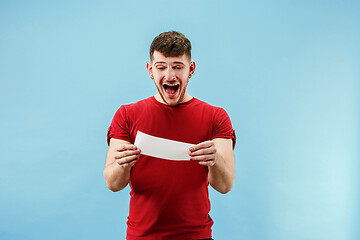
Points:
(287, 72)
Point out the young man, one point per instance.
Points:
(169, 199)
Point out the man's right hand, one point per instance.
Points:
(126, 155)
(122, 155)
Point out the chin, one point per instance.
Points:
(172, 102)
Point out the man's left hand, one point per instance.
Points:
(204, 153)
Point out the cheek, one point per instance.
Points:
(157, 81)
(185, 76)
(158, 76)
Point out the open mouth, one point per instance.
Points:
(171, 88)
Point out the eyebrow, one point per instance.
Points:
(162, 62)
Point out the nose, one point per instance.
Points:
(170, 74)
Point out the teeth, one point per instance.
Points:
(171, 88)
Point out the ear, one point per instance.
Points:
(192, 68)
(149, 68)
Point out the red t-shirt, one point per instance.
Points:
(169, 199)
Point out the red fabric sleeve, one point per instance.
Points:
(222, 126)
(119, 127)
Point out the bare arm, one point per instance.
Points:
(218, 155)
(121, 156)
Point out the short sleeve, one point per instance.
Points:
(119, 127)
(222, 127)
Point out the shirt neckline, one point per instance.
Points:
(172, 107)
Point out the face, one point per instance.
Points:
(171, 76)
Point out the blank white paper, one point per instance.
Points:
(162, 147)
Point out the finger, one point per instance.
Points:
(126, 153)
(128, 164)
(127, 160)
(205, 144)
(207, 163)
(126, 147)
(203, 158)
(203, 151)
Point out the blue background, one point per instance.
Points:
(287, 72)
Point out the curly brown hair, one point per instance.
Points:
(171, 44)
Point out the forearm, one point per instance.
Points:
(120, 158)
(117, 177)
(221, 175)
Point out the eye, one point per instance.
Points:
(178, 67)
(160, 67)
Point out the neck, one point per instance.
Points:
(186, 98)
